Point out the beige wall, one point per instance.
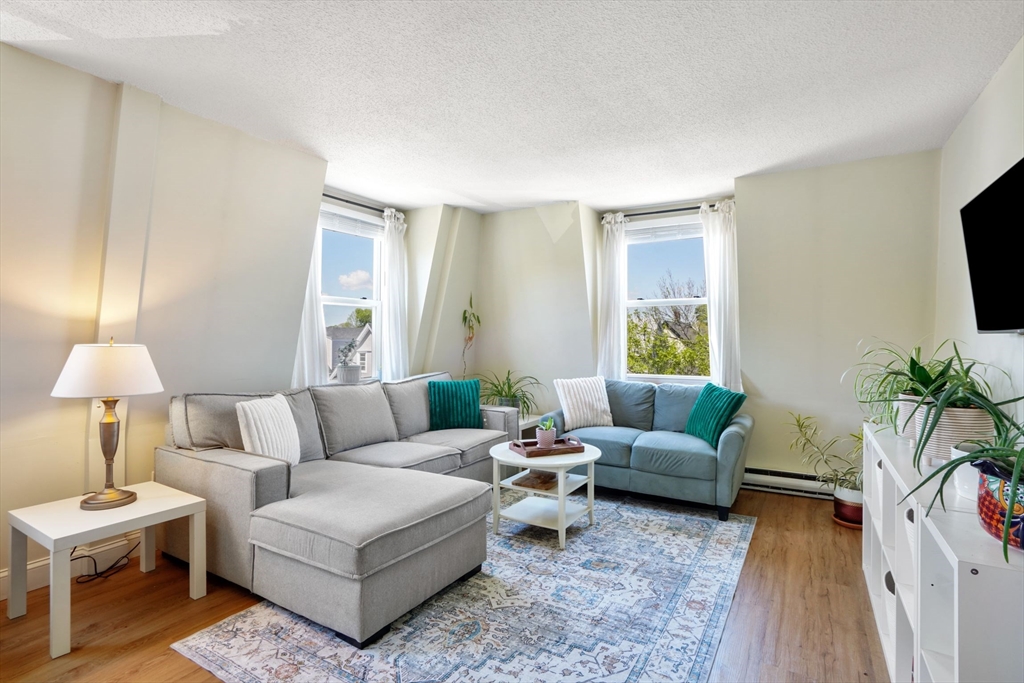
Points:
(534, 295)
(829, 257)
(988, 141)
(55, 139)
(230, 237)
(225, 249)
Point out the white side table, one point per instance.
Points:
(548, 509)
(61, 525)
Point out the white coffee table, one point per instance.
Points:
(62, 525)
(547, 509)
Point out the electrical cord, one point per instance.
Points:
(114, 568)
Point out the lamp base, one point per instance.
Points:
(108, 498)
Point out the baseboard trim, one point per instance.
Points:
(788, 483)
(104, 554)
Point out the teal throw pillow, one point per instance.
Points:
(455, 404)
(712, 412)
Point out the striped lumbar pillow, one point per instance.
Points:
(712, 412)
(584, 402)
(268, 428)
(455, 404)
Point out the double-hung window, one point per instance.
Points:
(350, 288)
(666, 300)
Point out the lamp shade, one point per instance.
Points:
(107, 370)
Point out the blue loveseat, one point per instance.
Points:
(648, 451)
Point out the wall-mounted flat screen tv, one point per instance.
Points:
(993, 234)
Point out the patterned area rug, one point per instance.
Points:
(641, 596)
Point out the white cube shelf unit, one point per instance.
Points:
(948, 607)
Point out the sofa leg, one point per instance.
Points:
(369, 641)
(471, 573)
(723, 514)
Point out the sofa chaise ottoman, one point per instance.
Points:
(648, 450)
(379, 514)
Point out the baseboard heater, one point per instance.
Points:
(789, 483)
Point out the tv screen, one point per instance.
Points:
(993, 236)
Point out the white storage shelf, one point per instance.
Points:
(956, 608)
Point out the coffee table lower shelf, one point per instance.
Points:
(543, 512)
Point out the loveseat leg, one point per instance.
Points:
(369, 641)
(723, 513)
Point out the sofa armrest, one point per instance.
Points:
(503, 418)
(732, 459)
(234, 483)
(559, 417)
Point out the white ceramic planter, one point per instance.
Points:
(905, 417)
(545, 438)
(955, 426)
(965, 477)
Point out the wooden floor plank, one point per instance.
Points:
(800, 613)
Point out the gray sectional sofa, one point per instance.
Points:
(364, 528)
(648, 451)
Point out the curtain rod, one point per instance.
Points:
(655, 213)
(349, 201)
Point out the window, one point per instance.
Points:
(350, 286)
(666, 299)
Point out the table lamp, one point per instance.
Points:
(98, 370)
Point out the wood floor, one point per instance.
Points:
(800, 613)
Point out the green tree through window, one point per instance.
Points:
(669, 340)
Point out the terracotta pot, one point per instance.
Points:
(545, 437)
(993, 498)
(848, 505)
(955, 426)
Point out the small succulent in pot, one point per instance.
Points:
(546, 433)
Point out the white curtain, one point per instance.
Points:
(611, 313)
(723, 293)
(394, 341)
(312, 358)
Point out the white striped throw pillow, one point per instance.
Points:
(584, 402)
(268, 428)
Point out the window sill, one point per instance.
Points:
(669, 379)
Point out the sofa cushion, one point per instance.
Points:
(712, 412)
(455, 404)
(674, 454)
(614, 442)
(474, 444)
(339, 520)
(353, 415)
(672, 406)
(268, 428)
(584, 402)
(202, 421)
(632, 403)
(404, 455)
(410, 403)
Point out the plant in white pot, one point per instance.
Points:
(883, 386)
(844, 473)
(546, 433)
(998, 462)
(346, 372)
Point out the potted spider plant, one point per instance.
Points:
(998, 460)
(843, 472)
(515, 392)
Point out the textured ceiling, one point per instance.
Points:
(493, 105)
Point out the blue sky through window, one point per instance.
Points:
(347, 267)
(647, 262)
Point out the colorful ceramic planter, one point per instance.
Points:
(993, 498)
(849, 507)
